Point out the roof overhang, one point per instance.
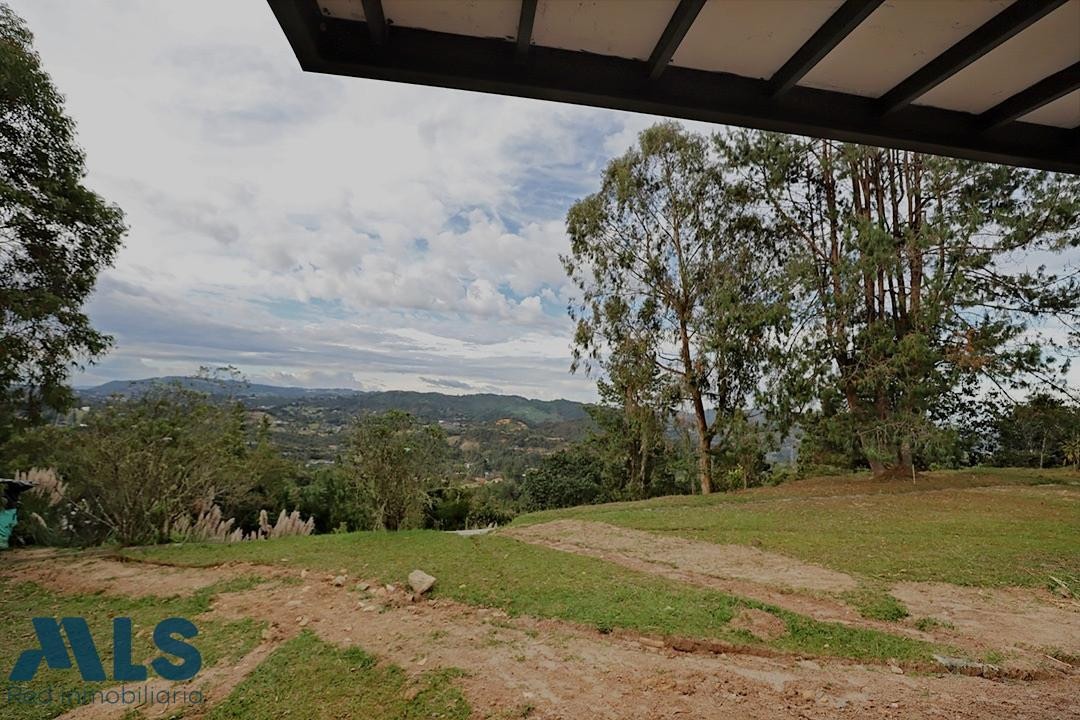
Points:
(990, 80)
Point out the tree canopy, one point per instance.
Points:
(915, 280)
(674, 266)
(56, 235)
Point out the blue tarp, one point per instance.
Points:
(7, 524)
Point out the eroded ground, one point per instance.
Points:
(1027, 624)
(523, 667)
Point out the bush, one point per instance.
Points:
(329, 495)
(780, 473)
(140, 465)
(567, 478)
(393, 463)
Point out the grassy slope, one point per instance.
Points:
(217, 640)
(941, 528)
(944, 527)
(880, 531)
(339, 683)
(528, 580)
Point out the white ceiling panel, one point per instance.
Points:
(753, 38)
(896, 40)
(480, 18)
(1063, 112)
(342, 9)
(625, 28)
(1049, 45)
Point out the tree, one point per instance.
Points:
(393, 462)
(1071, 449)
(55, 237)
(673, 264)
(569, 477)
(629, 442)
(906, 286)
(140, 464)
(1035, 433)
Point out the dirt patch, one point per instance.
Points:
(65, 574)
(215, 683)
(977, 631)
(1021, 617)
(815, 605)
(760, 624)
(566, 672)
(704, 558)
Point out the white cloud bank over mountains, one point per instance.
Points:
(314, 230)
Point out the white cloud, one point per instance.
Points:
(313, 229)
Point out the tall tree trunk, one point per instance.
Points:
(705, 467)
(876, 466)
(907, 460)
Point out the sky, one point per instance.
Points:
(313, 230)
(321, 231)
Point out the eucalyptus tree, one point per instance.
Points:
(916, 280)
(674, 268)
(56, 235)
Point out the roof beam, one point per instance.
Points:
(376, 20)
(1045, 91)
(525, 29)
(344, 47)
(985, 38)
(673, 35)
(839, 25)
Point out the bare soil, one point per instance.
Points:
(522, 667)
(1023, 618)
(703, 558)
(102, 574)
(1026, 623)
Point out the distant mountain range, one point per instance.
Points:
(217, 388)
(430, 406)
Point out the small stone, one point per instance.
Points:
(304, 573)
(304, 622)
(362, 586)
(896, 669)
(420, 581)
(954, 664)
(339, 581)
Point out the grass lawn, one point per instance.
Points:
(524, 579)
(947, 526)
(339, 683)
(217, 640)
(951, 527)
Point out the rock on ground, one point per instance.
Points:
(420, 581)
